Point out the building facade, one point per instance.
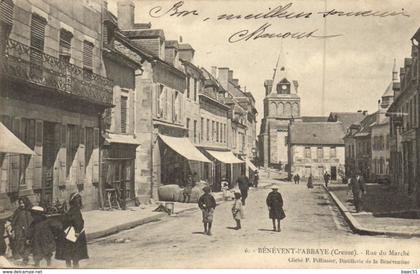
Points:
(404, 128)
(316, 148)
(54, 92)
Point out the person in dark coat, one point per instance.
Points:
(207, 204)
(275, 207)
(243, 184)
(296, 178)
(326, 178)
(20, 222)
(310, 183)
(73, 252)
(256, 178)
(40, 237)
(358, 188)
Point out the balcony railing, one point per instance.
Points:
(21, 62)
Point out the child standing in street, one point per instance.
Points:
(237, 210)
(207, 204)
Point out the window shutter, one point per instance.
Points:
(38, 133)
(96, 138)
(38, 32)
(62, 155)
(37, 178)
(124, 102)
(87, 54)
(6, 11)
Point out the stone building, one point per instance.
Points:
(281, 107)
(166, 155)
(404, 128)
(316, 147)
(53, 94)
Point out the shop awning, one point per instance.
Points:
(226, 157)
(122, 139)
(250, 165)
(9, 143)
(185, 148)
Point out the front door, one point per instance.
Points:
(48, 159)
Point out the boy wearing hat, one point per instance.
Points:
(207, 204)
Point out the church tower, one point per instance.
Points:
(281, 107)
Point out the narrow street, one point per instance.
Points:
(177, 242)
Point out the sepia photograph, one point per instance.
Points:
(209, 134)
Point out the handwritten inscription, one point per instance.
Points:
(261, 32)
(279, 12)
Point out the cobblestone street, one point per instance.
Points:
(312, 221)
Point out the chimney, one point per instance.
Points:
(125, 10)
(235, 82)
(365, 112)
(171, 51)
(230, 75)
(223, 77)
(186, 52)
(214, 71)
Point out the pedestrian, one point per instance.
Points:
(256, 178)
(40, 237)
(297, 178)
(207, 204)
(275, 208)
(227, 194)
(4, 263)
(310, 184)
(188, 189)
(358, 188)
(237, 210)
(20, 222)
(243, 184)
(326, 178)
(68, 249)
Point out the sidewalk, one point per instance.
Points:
(101, 223)
(384, 212)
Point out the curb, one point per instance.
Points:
(118, 228)
(358, 228)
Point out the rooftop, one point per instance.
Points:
(316, 133)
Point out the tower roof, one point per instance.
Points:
(280, 73)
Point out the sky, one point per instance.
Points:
(358, 62)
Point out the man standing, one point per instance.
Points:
(296, 178)
(207, 204)
(243, 184)
(326, 178)
(275, 207)
(358, 189)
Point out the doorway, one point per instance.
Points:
(333, 173)
(49, 153)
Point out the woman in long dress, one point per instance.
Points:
(73, 252)
(275, 207)
(21, 220)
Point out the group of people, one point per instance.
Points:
(31, 232)
(274, 202)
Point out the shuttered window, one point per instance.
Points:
(87, 55)
(6, 11)
(38, 24)
(124, 110)
(65, 45)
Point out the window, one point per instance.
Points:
(208, 130)
(188, 87)
(320, 152)
(188, 127)
(177, 106)
(195, 89)
(217, 131)
(225, 134)
(333, 152)
(6, 21)
(161, 102)
(213, 128)
(308, 152)
(387, 141)
(124, 113)
(381, 143)
(38, 24)
(202, 129)
(87, 60)
(65, 45)
(195, 131)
